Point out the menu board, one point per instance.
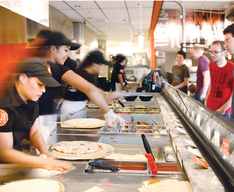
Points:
(37, 11)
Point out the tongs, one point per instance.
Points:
(121, 103)
(149, 155)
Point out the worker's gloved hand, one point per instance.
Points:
(111, 118)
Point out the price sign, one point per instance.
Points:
(190, 142)
(194, 151)
(217, 138)
(208, 132)
(226, 147)
(181, 130)
(198, 120)
(200, 162)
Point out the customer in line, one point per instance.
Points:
(180, 73)
(229, 45)
(19, 117)
(220, 93)
(203, 73)
(55, 51)
(118, 74)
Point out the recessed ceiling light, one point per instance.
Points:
(124, 19)
(77, 6)
(89, 17)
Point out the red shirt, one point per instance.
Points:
(221, 85)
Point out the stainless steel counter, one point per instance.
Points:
(77, 180)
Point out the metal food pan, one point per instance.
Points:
(170, 157)
(168, 149)
(168, 168)
(122, 109)
(138, 149)
(147, 118)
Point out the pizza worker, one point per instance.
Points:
(55, 51)
(118, 74)
(19, 117)
(75, 100)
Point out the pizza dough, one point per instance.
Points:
(76, 150)
(35, 185)
(84, 123)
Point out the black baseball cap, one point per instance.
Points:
(97, 57)
(58, 38)
(36, 67)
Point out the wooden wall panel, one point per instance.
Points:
(12, 27)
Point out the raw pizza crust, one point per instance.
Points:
(83, 123)
(106, 150)
(35, 185)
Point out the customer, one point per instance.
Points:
(55, 52)
(19, 117)
(75, 100)
(220, 93)
(192, 89)
(118, 73)
(229, 45)
(180, 73)
(203, 73)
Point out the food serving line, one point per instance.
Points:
(144, 117)
(126, 168)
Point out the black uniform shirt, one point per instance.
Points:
(117, 69)
(17, 117)
(72, 94)
(46, 102)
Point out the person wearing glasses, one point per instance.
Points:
(220, 93)
(229, 45)
(203, 73)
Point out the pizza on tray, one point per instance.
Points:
(76, 150)
(83, 123)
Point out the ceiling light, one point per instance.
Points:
(140, 34)
(77, 6)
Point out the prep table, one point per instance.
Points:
(128, 142)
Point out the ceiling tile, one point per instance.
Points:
(135, 12)
(111, 4)
(82, 4)
(72, 14)
(94, 13)
(135, 4)
(115, 13)
(59, 5)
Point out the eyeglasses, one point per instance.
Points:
(215, 52)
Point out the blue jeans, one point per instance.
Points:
(197, 97)
(226, 116)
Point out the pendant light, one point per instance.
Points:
(140, 34)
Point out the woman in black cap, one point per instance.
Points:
(75, 100)
(19, 117)
(118, 73)
(55, 52)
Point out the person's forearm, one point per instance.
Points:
(17, 157)
(207, 97)
(183, 84)
(39, 142)
(206, 83)
(97, 97)
(120, 77)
